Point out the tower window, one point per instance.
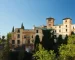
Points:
(49, 24)
(59, 30)
(65, 20)
(66, 30)
(66, 25)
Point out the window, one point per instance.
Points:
(13, 41)
(18, 41)
(73, 27)
(65, 20)
(49, 24)
(59, 30)
(66, 30)
(18, 31)
(24, 36)
(66, 25)
(18, 36)
(32, 36)
(36, 31)
(59, 26)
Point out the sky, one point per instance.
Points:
(33, 12)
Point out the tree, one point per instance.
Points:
(59, 40)
(13, 29)
(4, 54)
(68, 51)
(43, 54)
(48, 39)
(8, 39)
(22, 27)
(3, 37)
(37, 41)
(65, 40)
(21, 55)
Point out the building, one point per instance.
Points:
(64, 29)
(27, 36)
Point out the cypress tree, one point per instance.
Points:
(22, 27)
(59, 40)
(37, 41)
(13, 29)
(65, 40)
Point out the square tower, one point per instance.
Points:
(50, 22)
(67, 22)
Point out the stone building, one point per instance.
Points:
(27, 36)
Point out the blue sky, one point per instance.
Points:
(33, 12)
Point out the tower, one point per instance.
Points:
(50, 22)
(67, 22)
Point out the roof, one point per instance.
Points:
(38, 27)
(50, 18)
(67, 18)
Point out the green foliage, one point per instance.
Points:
(68, 51)
(71, 39)
(0, 41)
(43, 54)
(4, 53)
(8, 36)
(22, 27)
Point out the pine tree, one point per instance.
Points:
(13, 29)
(22, 27)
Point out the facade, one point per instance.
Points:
(64, 29)
(27, 36)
